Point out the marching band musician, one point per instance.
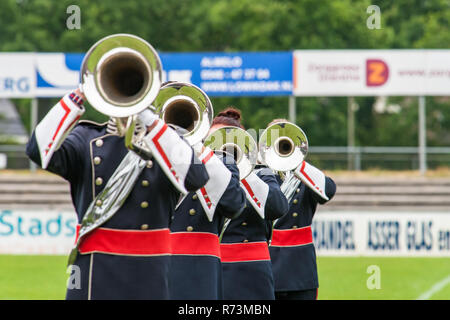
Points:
(128, 256)
(246, 265)
(196, 271)
(292, 249)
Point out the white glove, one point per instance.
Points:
(146, 118)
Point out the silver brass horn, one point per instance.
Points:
(283, 146)
(121, 75)
(238, 143)
(187, 106)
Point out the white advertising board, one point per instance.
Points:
(17, 75)
(37, 232)
(336, 233)
(371, 72)
(382, 234)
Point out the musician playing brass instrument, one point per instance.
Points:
(292, 249)
(246, 266)
(123, 202)
(195, 269)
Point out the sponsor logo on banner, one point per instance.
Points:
(57, 73)
(336, 233)
(222, 74)
(36, 232)
(382, 233)
(219, 74)
(377, 72)
(17, 77)
(371, 72)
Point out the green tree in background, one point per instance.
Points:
(250, 25)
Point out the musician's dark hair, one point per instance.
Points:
(274, 121)
(229, 117)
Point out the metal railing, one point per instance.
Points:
(331, 157)
(381, 157)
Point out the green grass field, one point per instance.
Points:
(44, 278)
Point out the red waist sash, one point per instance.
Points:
(195, 243)
(291, 237)
(126, 242)
(247, 251)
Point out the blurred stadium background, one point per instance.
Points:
(384, 139)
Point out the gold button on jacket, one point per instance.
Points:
(99, 181)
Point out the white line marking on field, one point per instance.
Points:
(434, 289)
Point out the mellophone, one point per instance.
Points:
(121, 76)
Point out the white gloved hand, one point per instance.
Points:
(147, 118)
(198, 148)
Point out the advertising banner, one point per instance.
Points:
(382, 234)
(37, 232)
(336, 233)
(371, 72)
(301, 72)
(232, 74)
(218, 74)
(57, 73)
(17, 77)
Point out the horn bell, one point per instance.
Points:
(283, 146)
(121, 75)
(187, 106)
(238, 143)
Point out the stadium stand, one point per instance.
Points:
(47, 191)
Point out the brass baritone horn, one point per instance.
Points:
(121, 75)
(187, 106)
(237, 142)
(180, 104)
(283, 146)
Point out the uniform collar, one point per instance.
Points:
(111, 127)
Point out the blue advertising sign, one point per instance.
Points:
(218, 74)
(232, 74)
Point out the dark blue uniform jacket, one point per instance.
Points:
(87, 159)
(253, 279)
(198, 276)
(295, 267)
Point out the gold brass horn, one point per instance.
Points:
(121, 75)
(180, 104)
(283, 146)
(187, 106)
(237, 142)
